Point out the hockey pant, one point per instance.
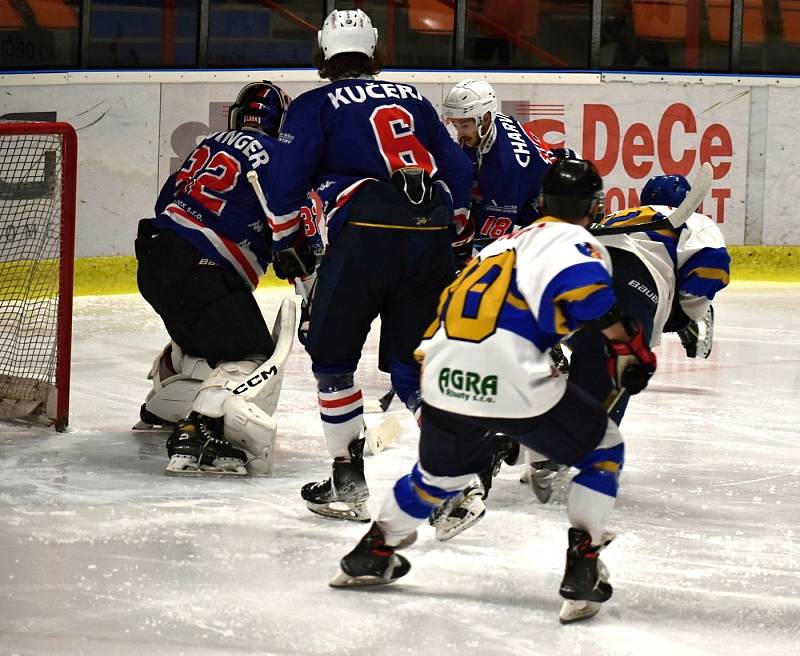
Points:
(453, 448)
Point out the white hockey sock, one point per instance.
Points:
(589, 510)
(342, 418)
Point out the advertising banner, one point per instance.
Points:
(633, 132)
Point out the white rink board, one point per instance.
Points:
(117, 127)
(782, 168)
(133, 131)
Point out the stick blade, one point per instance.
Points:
(697, 194)
(382, 434)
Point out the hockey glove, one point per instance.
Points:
(297, 261)
(631, 363)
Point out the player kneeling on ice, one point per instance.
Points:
(487, 370)
(217, 383)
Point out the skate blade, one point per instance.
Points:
(356, 512)
(447, 531)
(179, 467)
(575, 610)
(344, 580)
(150, 428)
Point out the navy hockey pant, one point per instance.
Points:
(207, 309)
(454, 445)
(376, 271)
(636, 295)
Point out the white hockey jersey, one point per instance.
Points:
(691, 261)
(487, 352)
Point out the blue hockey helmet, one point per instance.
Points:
(665, 190)
(260, 104)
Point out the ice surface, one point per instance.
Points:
(101, 553)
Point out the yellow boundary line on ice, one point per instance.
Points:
(117, 274)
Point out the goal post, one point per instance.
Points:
(38, 175)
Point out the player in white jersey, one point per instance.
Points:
(487, 370)
(664, 277)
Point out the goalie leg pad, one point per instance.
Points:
(176, 380)
(254, 380)
(251, 429)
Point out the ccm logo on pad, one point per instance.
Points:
(256, 380)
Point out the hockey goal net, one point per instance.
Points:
(38, 163)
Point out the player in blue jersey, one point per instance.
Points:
(487, 370)
(199, 261)
(508, 161)
(395, 190)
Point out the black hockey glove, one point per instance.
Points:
(297, 261)
(631, 363)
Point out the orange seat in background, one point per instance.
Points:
(664, 20)
(719, 21)
(790, 20)
(53, 14)
(430, 16)
(519, 17)
(9, 17)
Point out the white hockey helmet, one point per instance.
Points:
(471, 99)
(347, 31)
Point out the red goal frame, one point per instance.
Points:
(59, 414)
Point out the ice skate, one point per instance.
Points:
(151, 422)
(345, 493)
(458, 513)
(585, 584)
(541, 476)
(372, 562)
(196, 447)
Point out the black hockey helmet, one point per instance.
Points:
(570, 187)
(261, 104)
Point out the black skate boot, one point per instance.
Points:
(372, 562)
(585, 584)
(344, 494)
(506, 451)
(196, 446)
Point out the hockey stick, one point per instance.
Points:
(252, 178)
(382, 434)
(693, 200)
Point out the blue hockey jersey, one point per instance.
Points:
(338, 137)
(508, 174)
(211, 204)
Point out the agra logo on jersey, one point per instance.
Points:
(589, 250)
(467, 385)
